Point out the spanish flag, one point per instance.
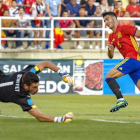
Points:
(3, 36)
(59, 37)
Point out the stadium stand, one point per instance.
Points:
(90, 6)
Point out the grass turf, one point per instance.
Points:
(82, 127)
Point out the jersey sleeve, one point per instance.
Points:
(32, 68)
(26, 103)
(129, 30)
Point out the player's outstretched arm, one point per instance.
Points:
(110, 50)
(65, 76)
(45, 118)
(47, 64)
(39, 116)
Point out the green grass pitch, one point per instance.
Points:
(85, 108)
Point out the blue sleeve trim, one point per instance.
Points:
(135, 31)
(33, 70)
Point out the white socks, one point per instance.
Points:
(121, 99)
(58, 119)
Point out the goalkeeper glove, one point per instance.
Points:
(66, 77)
(65, 119)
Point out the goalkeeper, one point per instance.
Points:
(17, 87)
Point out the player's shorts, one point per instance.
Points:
(130, 66)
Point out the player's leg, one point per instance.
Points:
(122, 68)
(138, 84)
(114, 86)
(90, 33)
(112, 83)
(135, 76)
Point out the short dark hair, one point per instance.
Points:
(119, 1)
(82, 7)
(109, 13)
(21, 8)
(65, 11)
(29, 78)
(14, 1)
(6, 10)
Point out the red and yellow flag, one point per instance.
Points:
(3, 36)
(59, 37)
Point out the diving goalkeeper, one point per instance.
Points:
(17, 87)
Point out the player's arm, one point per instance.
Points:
(39, 116)
(110, 50)
(65, 76)
(46, 118)
(137, 34)
(59, 10)
(47, 64)
(78, 24)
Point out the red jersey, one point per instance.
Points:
(125, 41)
(2, 9)
(27, 9)
(132, 9)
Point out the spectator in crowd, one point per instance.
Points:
(23, 23)
(13, 9)
(73, 8)
(7, 2)
(28, 6)
(98, 1)
(97, 24)
(38, 10)
(134, 10)
(84, 24)
(83, 3)
(9, 23)
(78, 1)
(104, 6)
(67, 24)
(138, 2)
(2, 7)
(20, 3)
(53, 10)
(119, 11)
(63, 7)
(90, 8)
(126, 22)
(111, 5)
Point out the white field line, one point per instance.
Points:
(16, 117)
(114, 121)
(99, 120)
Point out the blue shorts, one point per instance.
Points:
(130, 66)
(96, 31)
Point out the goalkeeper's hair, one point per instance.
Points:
(29, 78)
(112, 14)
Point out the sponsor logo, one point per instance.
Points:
(17, 85)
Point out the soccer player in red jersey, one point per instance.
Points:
(123, 38)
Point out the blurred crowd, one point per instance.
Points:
(63, 8)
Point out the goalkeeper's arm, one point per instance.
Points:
(47, 64)
(45, 118)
